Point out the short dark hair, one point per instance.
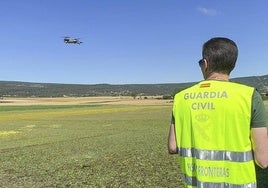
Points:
(221, 54)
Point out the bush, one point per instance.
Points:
(166, 97)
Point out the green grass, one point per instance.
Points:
(86, 146)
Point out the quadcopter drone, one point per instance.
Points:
(69, 40)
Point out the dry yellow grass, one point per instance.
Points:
(7, 133)
(83, 101)
(266, 104)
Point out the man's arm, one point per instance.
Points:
(260, 146)
(259, 134)
(172, 146)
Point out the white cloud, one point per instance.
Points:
(209, 12)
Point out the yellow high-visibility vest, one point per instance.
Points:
(212, 127)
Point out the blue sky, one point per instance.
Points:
(126, 41)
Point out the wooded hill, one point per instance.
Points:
(29, 89)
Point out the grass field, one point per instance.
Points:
(86, 144)
(89, 145)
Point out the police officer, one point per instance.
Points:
(218, 128)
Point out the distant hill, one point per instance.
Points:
(29, 89)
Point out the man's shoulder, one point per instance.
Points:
(186, 90)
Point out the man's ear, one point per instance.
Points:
(205, 64)
(205, 69)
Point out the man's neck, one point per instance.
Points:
(218, 76)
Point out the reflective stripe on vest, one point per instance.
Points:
(192, 181)
(216, 155)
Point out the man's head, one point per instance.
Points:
(220, 54)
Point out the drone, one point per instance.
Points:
(69, 40)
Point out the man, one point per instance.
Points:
(217, 124)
